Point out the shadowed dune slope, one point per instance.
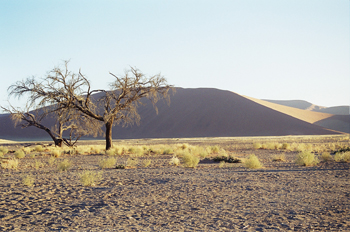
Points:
(201, 112)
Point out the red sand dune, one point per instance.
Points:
(203, 112)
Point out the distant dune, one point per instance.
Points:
(304, 105)
(202, 112)
(326, 120)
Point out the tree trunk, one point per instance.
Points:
(109, 135)
(57, 141)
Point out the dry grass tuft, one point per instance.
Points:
(90, 178)
(10, 164)
(252, 162)
(174, 161)
(39, 148)
(108, 163)
(306, 158)
(256, 146)
(325, 156)
(343, 157)
(19, 154)
(4, 150)
(189, 160)
(64, 165)
(28, 180)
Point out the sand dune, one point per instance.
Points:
(305, 115)
(202, 112)
(330, 121)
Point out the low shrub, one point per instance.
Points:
(108, 162)
(306, 158)
(120, 166)
(1, 154)
(325, 156)
(252, 162)
(28, 180)
(174, 161)
(227, 159)
(64, 165)
(10, 164)
(32, 155)
(90, 178)
(189, 160)
(19, 154)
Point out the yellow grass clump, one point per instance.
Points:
(306, 158)
(189, 160)
(90, 178)
(64, 165)
(325, 156)
(174, 161)
(28, 180)
(10, 164)
(108, 162)
(252, 162)
(19, 154)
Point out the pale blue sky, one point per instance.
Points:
(281, 49)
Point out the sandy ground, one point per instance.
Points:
(280, 197)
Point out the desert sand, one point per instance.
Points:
(282, 196)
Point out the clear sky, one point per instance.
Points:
(267, 49)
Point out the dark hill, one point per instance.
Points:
(199, 112)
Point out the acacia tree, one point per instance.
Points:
(64, 121)
(72, 91)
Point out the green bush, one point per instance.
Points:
(306, 158)
(252, 162)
